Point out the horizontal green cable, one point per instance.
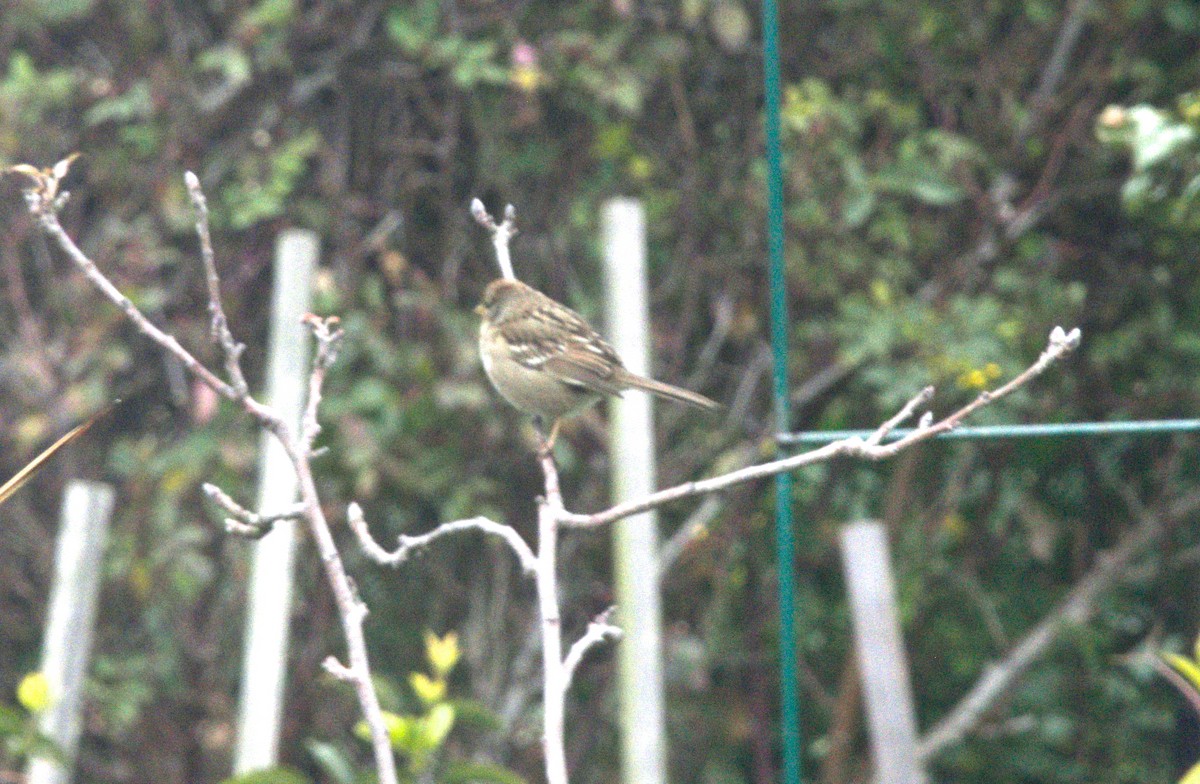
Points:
(1011, 431)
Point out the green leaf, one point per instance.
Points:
(133, 104)
(470, 713)
(479, 773)
(229, 61)
(860, 198)
(269, 13)
(280, 775)
(12, 721)
(438, 723)
(920, 182)
(428, 690)
(333, 761)
(413, 25)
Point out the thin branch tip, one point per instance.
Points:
(338, 670)
(1067, 340)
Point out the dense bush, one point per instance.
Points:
(948, 201)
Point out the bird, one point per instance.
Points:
(546, 360)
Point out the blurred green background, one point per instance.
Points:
(955, 188)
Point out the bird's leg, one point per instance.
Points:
(547, 446)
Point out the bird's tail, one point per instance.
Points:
(674, 393)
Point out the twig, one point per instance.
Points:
(243, 522)
(219, 327)
(329, 341)
(597, 632)
(44, 201)
(903, 415)
(1061, 343)
(501, 233)
(408, 544)
(1056, 65)
(337, 669)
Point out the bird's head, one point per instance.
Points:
(499, 296)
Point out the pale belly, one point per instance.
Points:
(533, 391)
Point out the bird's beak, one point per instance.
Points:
(480, 310)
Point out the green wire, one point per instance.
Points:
(1012, 431)
(785, 543)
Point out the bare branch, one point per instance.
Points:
(554, 690)
(1061, 343)
(329, 341)
(408, 544)
(999, 678)
(1056, 66)
(903, 415)
(44, 199)
(219, 328)
(243, 522)
(501, 233)
(597, 632)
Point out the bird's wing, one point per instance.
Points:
(558, 341)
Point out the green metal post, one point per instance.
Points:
(784, 536)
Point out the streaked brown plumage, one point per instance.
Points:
(547, 361)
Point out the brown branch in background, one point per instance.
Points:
(1056, 66)
(1079, 605)
(843, 724)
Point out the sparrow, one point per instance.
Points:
(546, 360)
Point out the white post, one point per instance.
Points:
(882, 663)
(67, 647)
(270, 590)
(635, 539)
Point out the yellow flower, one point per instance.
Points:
(881, 292)
(443, 652)
(33, 692)
(427, 689)
(526, 78)
(972, 379)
